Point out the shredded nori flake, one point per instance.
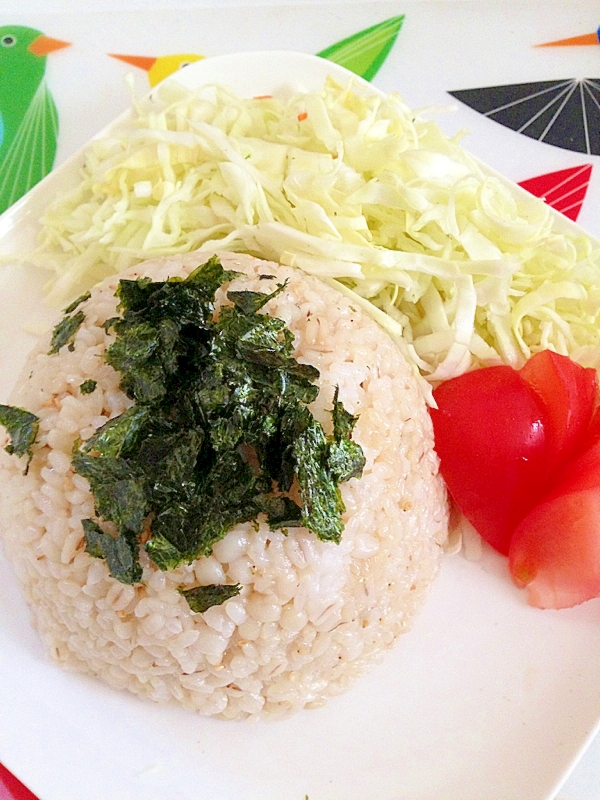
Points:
(66, 328)
(70, 308)
(345, 458)
(218, 433)
(108, 323)
(251, 302)
(87, 387)
(22, 428)
(120, 553)
(202, 598)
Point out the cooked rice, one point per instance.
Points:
(312, 615)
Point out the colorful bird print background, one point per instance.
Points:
(394, 45)
(558, 112)
(522, 77)
(28, 117)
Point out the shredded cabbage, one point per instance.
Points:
(349, 186)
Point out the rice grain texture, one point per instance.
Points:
(312, 615)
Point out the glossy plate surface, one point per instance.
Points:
(485, 699)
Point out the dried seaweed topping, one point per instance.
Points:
(120, 552)
(87, 387)
(345, 458)
(64, 331)
(219, 431)
(202, 598)
(22, 428)
(76, 303)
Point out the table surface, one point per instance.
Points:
(499, 37)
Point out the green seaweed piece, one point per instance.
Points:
(93, 538)
(145, 355)
(72, 306)
(282, 512)
(119, 493)
(119, 553)
(251, 302)
(345, 459)
(210, 277)
(164, 554)
(110, 322)
(117, 435)
(64, 331)
(87, 387)
(322, 504)
(22, 428)
(201, 598)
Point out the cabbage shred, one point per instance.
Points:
(351, 187)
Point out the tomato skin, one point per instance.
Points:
(579, 475)
(489, 432)
(555, 550)
(593, 433)
(520, 454)
(567, 392)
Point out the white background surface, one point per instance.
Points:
(88, 98)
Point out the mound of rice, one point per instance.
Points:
(312, 615)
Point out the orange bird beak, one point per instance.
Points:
(143, 62)
(44, 45)
(587, 38)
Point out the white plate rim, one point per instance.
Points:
(22, 214)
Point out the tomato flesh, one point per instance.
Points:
(490, 437)
(520, 454)
(555, 550)
(593, 433)
(567, 392)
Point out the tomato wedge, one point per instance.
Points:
(489, 430)
(593, 433)
(555, 550)
(520, 454)
(567, 392)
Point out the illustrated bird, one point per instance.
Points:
(28, 116)
(160, 67)
(586, 38)
(563, 190)
(365, 52)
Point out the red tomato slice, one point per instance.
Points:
(490, 437)
(555, 550)
(581, 474)
(567, 392)
(593, 433)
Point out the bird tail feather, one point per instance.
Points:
(31, 154)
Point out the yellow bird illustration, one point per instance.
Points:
(160, 67)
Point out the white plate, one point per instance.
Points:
(485, 699)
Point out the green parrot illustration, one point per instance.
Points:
(28, 117)
(364, 52)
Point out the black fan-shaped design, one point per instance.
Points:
(563, 113)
